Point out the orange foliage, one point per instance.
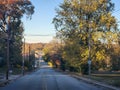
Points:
(58, 62)
(7, 1)
(4, 2)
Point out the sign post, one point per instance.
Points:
(89, 67)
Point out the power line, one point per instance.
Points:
(55, 1)
(116, 11)
(39, 34)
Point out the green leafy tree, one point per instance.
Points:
(11, 12)
(16, 44)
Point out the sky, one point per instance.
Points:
(41, 22)
(40, 27)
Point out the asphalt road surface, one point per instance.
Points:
(48, 79)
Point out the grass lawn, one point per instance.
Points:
(112, 79)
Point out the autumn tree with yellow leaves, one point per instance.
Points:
(80, 23)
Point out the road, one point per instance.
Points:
(48, 79)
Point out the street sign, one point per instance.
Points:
(89, 62)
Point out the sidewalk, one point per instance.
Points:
(3, 80)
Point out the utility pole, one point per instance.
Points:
(29, 52)
(89, 37)
(30, 61)
(7, 71)
(23, 56)
(89, 56)
(8, 43)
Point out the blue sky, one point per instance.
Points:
(116, 13)
(41, 22)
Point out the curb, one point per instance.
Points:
(96, 83)
(90, 81)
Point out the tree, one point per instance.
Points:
(83, 23)
(13, 10)
(16, 43)
(11, 27)
(52, 52)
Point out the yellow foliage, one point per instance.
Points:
(92, 25)
(102, 1)
(96, 36)
(85, 54)
(81, 25)
(103, 18)
(100, 55)
(111, 37)
(50, 64)
(75, 3)
(107, 20)
(93, 6)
